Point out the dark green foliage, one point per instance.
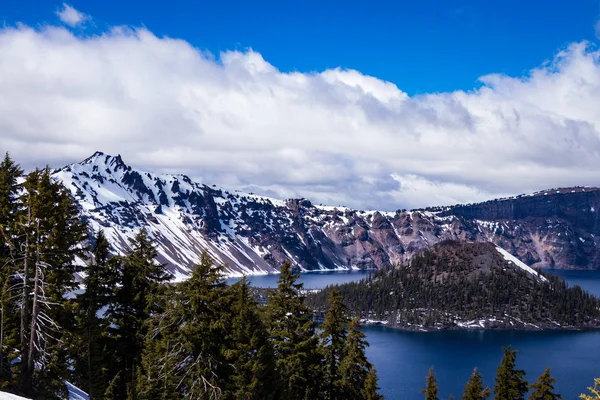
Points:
(10, 172)
(51, 234)
(358, 376)
(543, 388)
(431, 387)
(41, 233)
(251, 354)
(131, 334)
(370, 389)
(474, 389)
(510, 384)
(188, 340)
(463, 281)
(333, 342)
(292, 334)
(91, 344)
(139, 280)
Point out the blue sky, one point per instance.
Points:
(373, 105)
(421, 46)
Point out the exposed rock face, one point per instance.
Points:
(254, 234)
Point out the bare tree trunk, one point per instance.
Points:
(25, 309)
(36, 308)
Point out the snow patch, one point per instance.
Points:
(514, 260)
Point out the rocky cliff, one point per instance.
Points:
(255, 234)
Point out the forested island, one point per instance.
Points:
(461, 285)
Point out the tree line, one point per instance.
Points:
(510, 383)
(119, 328)
(464, 281)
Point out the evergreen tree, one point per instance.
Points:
(51, 235)
(474, 389)
(370, 389)
(292, 331)
(358, 376)
(158, 378)
(140, 277)
(595, 391)
(334, 347)
(510, 384)
(10, 172)
(431, 387)
(90, 347)
(543, 388)
(251, 354)
(186, 346)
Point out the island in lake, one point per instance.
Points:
(462, 285)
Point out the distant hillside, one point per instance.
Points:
(255, 234)
(458, 285)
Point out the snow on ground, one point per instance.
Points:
(74, 394)
(512, 259)
(8, 396)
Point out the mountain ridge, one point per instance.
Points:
(254, 234)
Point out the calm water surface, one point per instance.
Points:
(402, 359)
(588, 280)
(311, 280)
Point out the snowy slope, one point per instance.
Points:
(8, 396)
(74, 394)
(176, 211)
(514, 260)
(253, 234)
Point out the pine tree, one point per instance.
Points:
(595, 391)
(10, 172)
(431, 387)
(51, 235)
(140, 277)
(292, 331)
(188, 340)
(358, 376)
(89, 347)
(334, 347)
(543, 388)
(370, 390)
(509, 381)
(159, 378)
(474, 389)
(251, 353)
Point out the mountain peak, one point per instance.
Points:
(93, 158)
(104, 159)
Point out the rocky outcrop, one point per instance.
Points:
(254, 234)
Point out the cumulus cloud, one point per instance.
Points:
(70, 16)
(337, 137)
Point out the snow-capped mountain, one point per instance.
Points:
(254, 234)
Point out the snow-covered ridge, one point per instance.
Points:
(175, 210)
(514, 260)
(253, 234)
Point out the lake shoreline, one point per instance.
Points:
(502, 327)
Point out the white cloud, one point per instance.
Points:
(336, 137)
(70, 16)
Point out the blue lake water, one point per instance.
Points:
(588, 280)
(402, 358)
(311, 280)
